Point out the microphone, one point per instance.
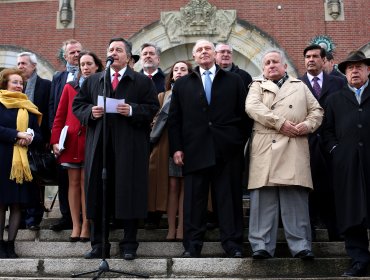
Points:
(109, 62)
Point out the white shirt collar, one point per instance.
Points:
(121, 73)
(155, 72)
(212, 70)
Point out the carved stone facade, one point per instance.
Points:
(198, 19)
(334, 10)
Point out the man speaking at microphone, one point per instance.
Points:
(127, 149)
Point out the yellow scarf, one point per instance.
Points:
(20, 167)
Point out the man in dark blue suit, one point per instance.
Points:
(71, 49)
(321, 200)
(208, 128)
(38, 91)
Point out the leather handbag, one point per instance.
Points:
(43, 166)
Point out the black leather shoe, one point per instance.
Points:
(356, 270)
(96, 253)
(33, 227)
(188, 254)
(261, 255)
(305, 255)
(236, 254)
(128, 256)
(61, 225)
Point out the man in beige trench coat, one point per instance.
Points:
(284, 113)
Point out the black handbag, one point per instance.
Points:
(43, 166)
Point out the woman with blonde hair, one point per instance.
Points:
(19, 128)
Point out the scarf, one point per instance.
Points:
(30, 88)
(280, 82)
(73, 70)
(20, 170)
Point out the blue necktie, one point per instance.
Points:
(207, 85)
(358, 95)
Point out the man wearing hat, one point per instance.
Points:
(134, 58)
(346, 135)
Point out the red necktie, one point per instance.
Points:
(115, 80)
(150, 76)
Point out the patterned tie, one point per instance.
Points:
(316, 87)
(207, 85)
(115, 80)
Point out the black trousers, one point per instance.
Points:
(357, 244)
(225, 180)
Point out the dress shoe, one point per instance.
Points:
(188, 254)
(84, 239)
(305, 255)
(10, 250)
(356, 270)
(3, 253)
(261, 255)
(33, 227)
(235, 254)
(128, 256)
(74, 239)
(96, 253)
(61, 225)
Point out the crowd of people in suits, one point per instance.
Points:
(181, 144)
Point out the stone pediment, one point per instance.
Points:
(198, 19)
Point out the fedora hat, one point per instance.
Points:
(135, 57)
(355, 56)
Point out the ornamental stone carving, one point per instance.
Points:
(198, 19)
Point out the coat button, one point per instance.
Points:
(290, 106)
(360, 109)
(272, 107)
(273, 141)
(210, 123)
(360, 144)
(359, 125)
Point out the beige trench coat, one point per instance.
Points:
(276, 159)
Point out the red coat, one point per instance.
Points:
(75, 142)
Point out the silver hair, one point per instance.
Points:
(279, 52)
(224, 44)
(32, 56)
(203, 41)
(151, 44)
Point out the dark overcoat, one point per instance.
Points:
(57, 86)
(319, 157)
(41, 100)
(205, 132)
(347, 126)
(10, 191)
(129, 142)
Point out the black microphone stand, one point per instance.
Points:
(104, 266)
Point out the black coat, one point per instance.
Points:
(41, 100)
(347, 125)
(208, 132)
(158, 80)
(319, 157)
(128, 143)
(10, 191)
(57, 86)
(247, 79)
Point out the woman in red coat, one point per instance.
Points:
(73, 153)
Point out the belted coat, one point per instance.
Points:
(276, 159)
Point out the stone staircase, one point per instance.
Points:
(46, 254)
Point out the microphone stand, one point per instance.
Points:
(104, 266)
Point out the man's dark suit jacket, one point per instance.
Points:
(57, 86)
(208, 132)
(41, 100)
(158, 80)
(320, 162)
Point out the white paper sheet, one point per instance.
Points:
(62, 138)
(111, 103)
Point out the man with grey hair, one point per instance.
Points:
(207, 133)
(284, 112)
(38, 91)
(150, 56)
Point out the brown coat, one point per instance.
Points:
(276, 159)
(158, 169)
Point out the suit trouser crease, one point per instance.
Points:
(266, 203)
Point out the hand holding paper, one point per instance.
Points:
(111, 103)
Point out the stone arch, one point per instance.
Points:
(248, 41)
(8, 58)
(366, 49)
